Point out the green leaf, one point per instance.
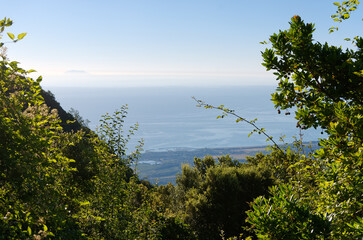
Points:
(21, 36)
(11, 36)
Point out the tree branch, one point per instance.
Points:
(227, 111)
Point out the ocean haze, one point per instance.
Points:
(168, 117)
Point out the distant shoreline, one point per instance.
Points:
(163, 166)
(214, 149)
(190, 149)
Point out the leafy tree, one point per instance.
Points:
(111, 130)
(284, 216)
(211, 197)
(67, 183)
(323, 191)
(325, 84)
(35, 198)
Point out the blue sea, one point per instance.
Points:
(169, 119)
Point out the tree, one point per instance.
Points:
(319, 195)
(212, 196)
(35, 196)
(63, 184)
(325, 84)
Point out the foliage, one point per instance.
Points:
(35, 197)
(69, 122)
(212, 196)
(319, 195)
(343, 12)
(325, 84)
(286, 216)
(111, 130)
(68, 184)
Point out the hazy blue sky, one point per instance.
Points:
(158, 42)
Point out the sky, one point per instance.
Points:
(159, 42)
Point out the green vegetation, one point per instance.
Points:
(325, 83)
(163, 167)
(213, 197)
(61, 180)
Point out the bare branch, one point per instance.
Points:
(227, 111)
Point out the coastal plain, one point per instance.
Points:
(162, 167)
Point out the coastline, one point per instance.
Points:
(162, 167)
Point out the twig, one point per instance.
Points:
(227, 111)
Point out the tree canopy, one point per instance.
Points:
(323, 198)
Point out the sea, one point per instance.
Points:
(169, 119)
